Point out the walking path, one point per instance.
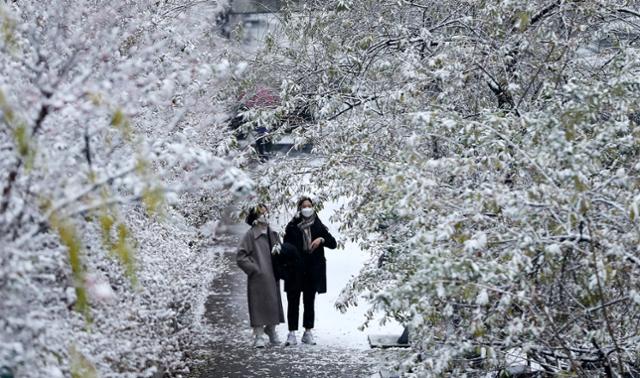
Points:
(230, 353)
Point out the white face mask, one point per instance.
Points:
(307, 212)
(263, 218)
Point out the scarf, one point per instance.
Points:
(305, 227)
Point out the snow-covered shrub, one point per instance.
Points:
(110, 130)
(489, 152)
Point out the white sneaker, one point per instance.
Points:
(259, 342)
(273, 336)
(291, 339)
(307, 338)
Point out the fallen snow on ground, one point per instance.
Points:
(228, 350)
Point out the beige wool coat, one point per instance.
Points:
(263, 290)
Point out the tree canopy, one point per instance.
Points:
(487, 153)
(112, 147)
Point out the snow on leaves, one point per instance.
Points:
(110, 137)
(490, 152)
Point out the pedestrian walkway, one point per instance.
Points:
(230, 353)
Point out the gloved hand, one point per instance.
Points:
(276, 249)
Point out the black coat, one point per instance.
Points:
(307, 270)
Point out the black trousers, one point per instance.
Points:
(293, 308)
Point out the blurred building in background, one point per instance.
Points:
(251, 21)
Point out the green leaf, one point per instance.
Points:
(365, 42)
(22, 139)
(523, 21)
(141, 166)
(69, 238)
(106, 224)
(81, 367)
(7, 29)
(153, 198)
(584, 206)
(269, 42)
(579, 185)
(118, 118)
(120, 121)
(7, 112)
(460, 237)
(125, 253)
(96, 98)
(479, 331)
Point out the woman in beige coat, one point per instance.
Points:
(263, 290)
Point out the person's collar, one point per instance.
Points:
(258, 230)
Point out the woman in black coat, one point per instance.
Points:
(307, 274)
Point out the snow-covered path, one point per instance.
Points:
(342, 264)
(230, 353)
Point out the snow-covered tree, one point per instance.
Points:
(488, 154)
(111, 133)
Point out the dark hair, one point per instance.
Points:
(254, 213)
(302, 199)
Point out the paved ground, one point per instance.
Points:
(231, 354)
